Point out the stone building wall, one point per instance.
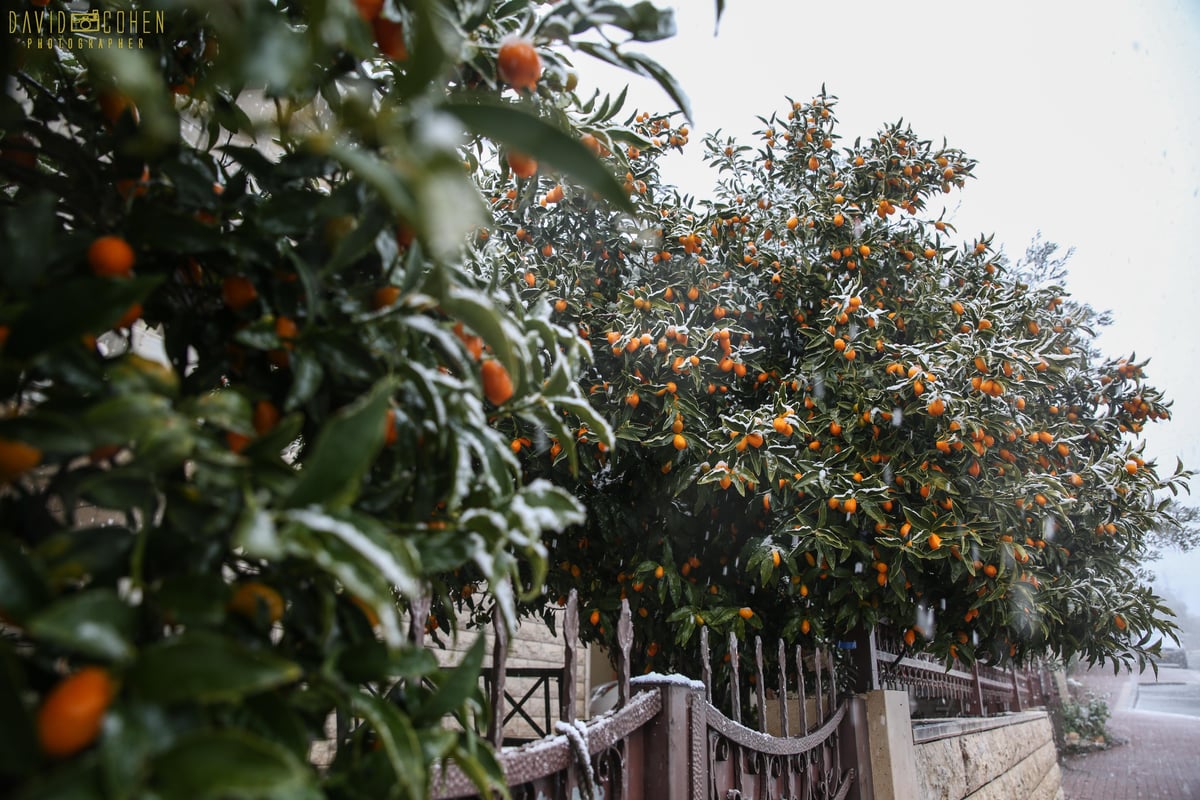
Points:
(994, 758)
(531, 646)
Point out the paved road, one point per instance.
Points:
(1169, 698)
(1161, 759)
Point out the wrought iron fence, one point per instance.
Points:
(935, 690)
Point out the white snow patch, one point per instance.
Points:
(577, 735)
(672, 679)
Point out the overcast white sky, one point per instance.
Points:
(1084, 117)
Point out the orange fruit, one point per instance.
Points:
(285, 329)
(110, 257)
(389, 37)
(129, 187)
(237, 442)
(679, 442)
(591, 143)
(497, 384)
(71, 715)
(389, 428)
(237, 292)
(519, 64)
(368, 612)
(252, 595)
(17, 458)
(113, 106)
(935, 541)
(385, 296)
(522, 165)
(19, 149)
(745, 612)
(266, 416)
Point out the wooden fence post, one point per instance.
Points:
(676, 752)
(1018, 699)
(495, 733)
(975, 706)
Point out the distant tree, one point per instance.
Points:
(828, 411)
(1179, 529)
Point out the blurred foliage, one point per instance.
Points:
(235, 530)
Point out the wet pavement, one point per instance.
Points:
(1159, 721)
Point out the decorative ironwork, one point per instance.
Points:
(935, 690)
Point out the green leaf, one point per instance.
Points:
(344, 451)
(75, 308)
(480, 314)
(642, 65)
(69, 556)
(96, 623)
(232, 763)
(361, 554)
(119, 488)
(189, 600)
(225, 409)
(399, 739)
(480, 765)
(133, 734)
(516, 127)
(207, 668)
(460, 682)
(22, 589)
(30, 239)
(307, 375)
(372, 661)
(18, 753)
(596, 423)
(127, 417)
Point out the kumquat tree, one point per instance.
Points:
(208, 551)
(829, 411)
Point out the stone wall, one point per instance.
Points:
(994, 758)
(531, 646)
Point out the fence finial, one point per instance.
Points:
(760, 684)
(785, 727)
(624, 643)
(568, 692)
(735, 684)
